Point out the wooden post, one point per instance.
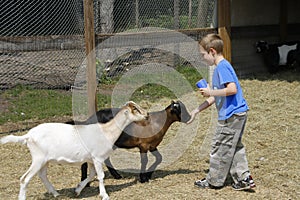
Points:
(224, 26)
(283, 20)
(90, 56)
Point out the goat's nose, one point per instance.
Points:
(147, 116)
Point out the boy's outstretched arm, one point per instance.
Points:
(208, 102)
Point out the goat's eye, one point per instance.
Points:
(136, 110)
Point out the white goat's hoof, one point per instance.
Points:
(55, 194)
(77, 191)
(105, 197)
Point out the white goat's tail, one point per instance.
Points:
(14, 139)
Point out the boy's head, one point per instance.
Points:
(211, 48)
(212, 41)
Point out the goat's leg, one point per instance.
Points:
(34, 168)
(111, 169)
(100, 174)
(43, 176)
(84, 168)
(158, 160)
(144, 161)
(86, 181)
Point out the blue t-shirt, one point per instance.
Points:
(229, 105)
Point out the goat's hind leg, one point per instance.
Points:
(88, 179)
(158, 160)
(43, 176)
(112, 170)
(84, 168)
(34, 168)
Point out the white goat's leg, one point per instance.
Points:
(100, 175)
(43, 176)
(89, 178)
(35, 166)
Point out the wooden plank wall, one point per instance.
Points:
(245, 60)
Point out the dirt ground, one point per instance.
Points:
(271, 139)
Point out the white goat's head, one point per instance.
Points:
(134, 112)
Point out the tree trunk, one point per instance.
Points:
(176, 14)
(190, 14)
(137, 14)
(106, 16)
(203, 9)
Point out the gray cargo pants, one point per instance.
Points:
(228, 155)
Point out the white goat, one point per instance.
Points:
(74, 144)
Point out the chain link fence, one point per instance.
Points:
(42, 42)
(194, 18)
(170, 14)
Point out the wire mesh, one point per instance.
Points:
(141, 16)
(41, 42)
(170, 14)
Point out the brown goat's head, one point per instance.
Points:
(179, 110)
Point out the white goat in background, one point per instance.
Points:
(74, 144)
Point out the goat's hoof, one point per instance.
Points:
(144, 179)
(55, 194)
(117, 176)
(105, 197)
(78, 190)
(149, 174)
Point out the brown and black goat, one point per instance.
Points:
(145, 135)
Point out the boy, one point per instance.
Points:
(228, 156)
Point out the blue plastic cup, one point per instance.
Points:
(201, 84)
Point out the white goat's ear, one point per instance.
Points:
(126, 112)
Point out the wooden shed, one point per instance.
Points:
(249, 21)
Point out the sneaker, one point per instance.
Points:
(202, 183)
(245, 184)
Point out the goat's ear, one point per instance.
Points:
(172, 101)
(131, 105)
(126, 112)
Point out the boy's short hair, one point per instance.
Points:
(212, 41)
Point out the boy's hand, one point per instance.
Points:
(206, 92)
(193, 115)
